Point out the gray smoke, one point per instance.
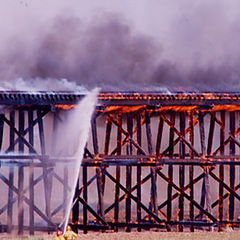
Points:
(199, 52)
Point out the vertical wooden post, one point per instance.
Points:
(31, 175)
(20, 175)
(202, 133)
(94, 134)
(75, 209)
(221, 170)
(232, 167)
(181, 171)
(211, 132)
(1, 130)
(129, 172)
(11, 174)
(159, 136)
(191, 172)
(202, 140)
(117, 189)
(170, 168)
(107, 137)
(139, 171)
(85, 198)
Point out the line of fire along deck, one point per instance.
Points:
(130, 99)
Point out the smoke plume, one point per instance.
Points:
(198, 51)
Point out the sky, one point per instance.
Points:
(158, 44)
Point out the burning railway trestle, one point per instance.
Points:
(163, 160)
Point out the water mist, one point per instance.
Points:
(74, 139)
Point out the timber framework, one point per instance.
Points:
(152, 161)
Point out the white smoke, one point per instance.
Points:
(38, 84)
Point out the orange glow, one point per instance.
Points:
(178, 108)
(65, 107)
(124, 108)
(151, 159)
(228, 108)
(127, 109)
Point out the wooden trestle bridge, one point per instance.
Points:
(152, 161)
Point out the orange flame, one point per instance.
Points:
(228, 108)
(178, 108)
(65, 106)
(124, 109)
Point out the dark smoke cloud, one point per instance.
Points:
(108, 53)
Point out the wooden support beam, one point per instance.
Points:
(26, 200)
(107, 136)
(9, 123)
(99, 218)
(139, 171)
(225, 196)
(221, 170)
(35, 121)
(167, 179)
(1, 130)
(11, 174)
(129, 171)
(159, 136)
(197, 179)
(211, 133)
(118, 171)
(85, 196)
(35, 182)
(132, 196)
(218, 150)
(181, 171)
(232, 168)
(128, 137)
(21, 121)
(125, 140)
(181, 138)
(164, 153)
(94, 135)
(170, 167)
(145, 179)
(31, 174)
(202, 133)
(75, 209)
(231, 190)
(191, 171)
